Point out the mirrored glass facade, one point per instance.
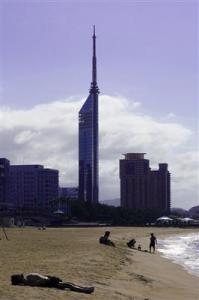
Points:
(88, 150)
(88, 141)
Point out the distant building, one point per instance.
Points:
(4, 183)
(29, 186)
(88, 140)
(141, 187)
(63, 202)
(69, 192)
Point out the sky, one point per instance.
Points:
(147, 55)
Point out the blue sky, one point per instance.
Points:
(147, 54)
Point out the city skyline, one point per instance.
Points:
(148, 75)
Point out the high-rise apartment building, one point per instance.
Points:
(160, 188)
(141, 187)
(4, 182)
(88, 139)
(27, 186)
(33, 185)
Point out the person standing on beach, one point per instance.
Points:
(153, 242)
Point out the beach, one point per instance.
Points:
(75, 255)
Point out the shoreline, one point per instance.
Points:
(156, 277)
(174, 259)
(75, 255)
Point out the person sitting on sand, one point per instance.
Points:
(153, 242)
(131, 243)
(35, 279)
(105, 239)
(139, 247)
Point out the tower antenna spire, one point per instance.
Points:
(94, 87)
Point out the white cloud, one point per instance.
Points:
(48, 133)
(171, 115)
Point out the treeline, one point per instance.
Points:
(102, 213)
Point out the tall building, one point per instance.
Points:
(141, 187)
(33, 185)
(4, 182)
(160, 188)
(88, 139)
(27, 186)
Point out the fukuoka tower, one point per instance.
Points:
(88, 139)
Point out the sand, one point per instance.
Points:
(75, 255)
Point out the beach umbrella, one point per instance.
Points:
(58, 212)
(164, 218)
(187, 219)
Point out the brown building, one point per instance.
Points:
(141, 187)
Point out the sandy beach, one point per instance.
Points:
(75, 255)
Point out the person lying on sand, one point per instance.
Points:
(105, 239)
(35, 279)
(131, 243)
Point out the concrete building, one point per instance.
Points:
(141, 187)
(88, 140)
(28, 186)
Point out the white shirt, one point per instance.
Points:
(36, 279)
